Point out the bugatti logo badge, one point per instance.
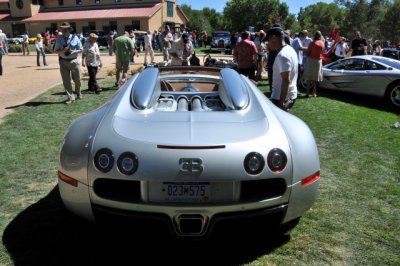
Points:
(190, 166)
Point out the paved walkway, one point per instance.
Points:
(22, 80)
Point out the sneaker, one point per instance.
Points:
(79, 97)
(69, 101)
(98, 91)
(116, 84)
(122, 81)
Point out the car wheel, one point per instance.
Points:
(392, 94)
(16, 42)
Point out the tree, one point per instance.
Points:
(389, 29)
(321, 16)
(261, 14)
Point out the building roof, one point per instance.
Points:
(3, 16)
(144, 12)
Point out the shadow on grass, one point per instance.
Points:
(47, 234)
(33, 104)
(359, 100)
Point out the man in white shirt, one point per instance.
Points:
(181, 51)
(25, 44)
(148, 48)
(284, 88)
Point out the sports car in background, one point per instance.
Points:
(366, 74)
(193, 147)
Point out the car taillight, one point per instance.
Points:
(310, 179)
(276, 160)
(254, 163)
(67, 179)
(127, 163)
(104, 160)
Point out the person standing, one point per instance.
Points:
(1, 59)
(166, 41)
(110, 41)
(313, 68)
(68, 47)
(123, 48)
(25, 44)
(92, 60)
(148, 47)
(245, 54)
(378, 48)
(181, 51)
(284, 92)
(40, 50)
(341, 49)
(133, 38)
(358, 45)
(3, 40)
(297, 46)
(261, 58)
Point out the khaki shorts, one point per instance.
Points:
(122, 65)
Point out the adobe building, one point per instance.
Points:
(37, 16)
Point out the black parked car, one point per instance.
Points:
(102, 40)
(391, 53)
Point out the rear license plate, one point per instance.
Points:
(186, 191)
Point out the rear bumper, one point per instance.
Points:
(195, 225)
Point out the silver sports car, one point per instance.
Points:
(193, 147)
(367, 74)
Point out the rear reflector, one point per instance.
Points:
(67, 179)
(310, 179)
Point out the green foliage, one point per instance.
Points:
(203, 20)
(374, 18)
(389, 28)
(14, 48)
(321, 16)
(261, 14)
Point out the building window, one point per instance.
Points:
(73, 26)
(79, 2)
(60, 2)
(97, 1)
(92, 25)
(53, 27)
(113, 25)
(136, 24)
(170, 9)
(118, 1)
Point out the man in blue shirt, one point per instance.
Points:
(68, 47)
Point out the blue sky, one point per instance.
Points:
(294, 5)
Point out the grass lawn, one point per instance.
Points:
(355, 220)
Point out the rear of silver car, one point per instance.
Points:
(192, 170)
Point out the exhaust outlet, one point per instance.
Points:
(191, 224)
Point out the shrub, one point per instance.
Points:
(14, 48)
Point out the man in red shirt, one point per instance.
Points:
(245, 54)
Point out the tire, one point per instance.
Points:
(16, 42)
(392, 94)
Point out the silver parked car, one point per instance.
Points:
(193, 147)
(366, 74)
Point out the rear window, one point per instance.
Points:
(389, 62)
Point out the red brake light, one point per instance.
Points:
(67, 179)
(310, 179)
